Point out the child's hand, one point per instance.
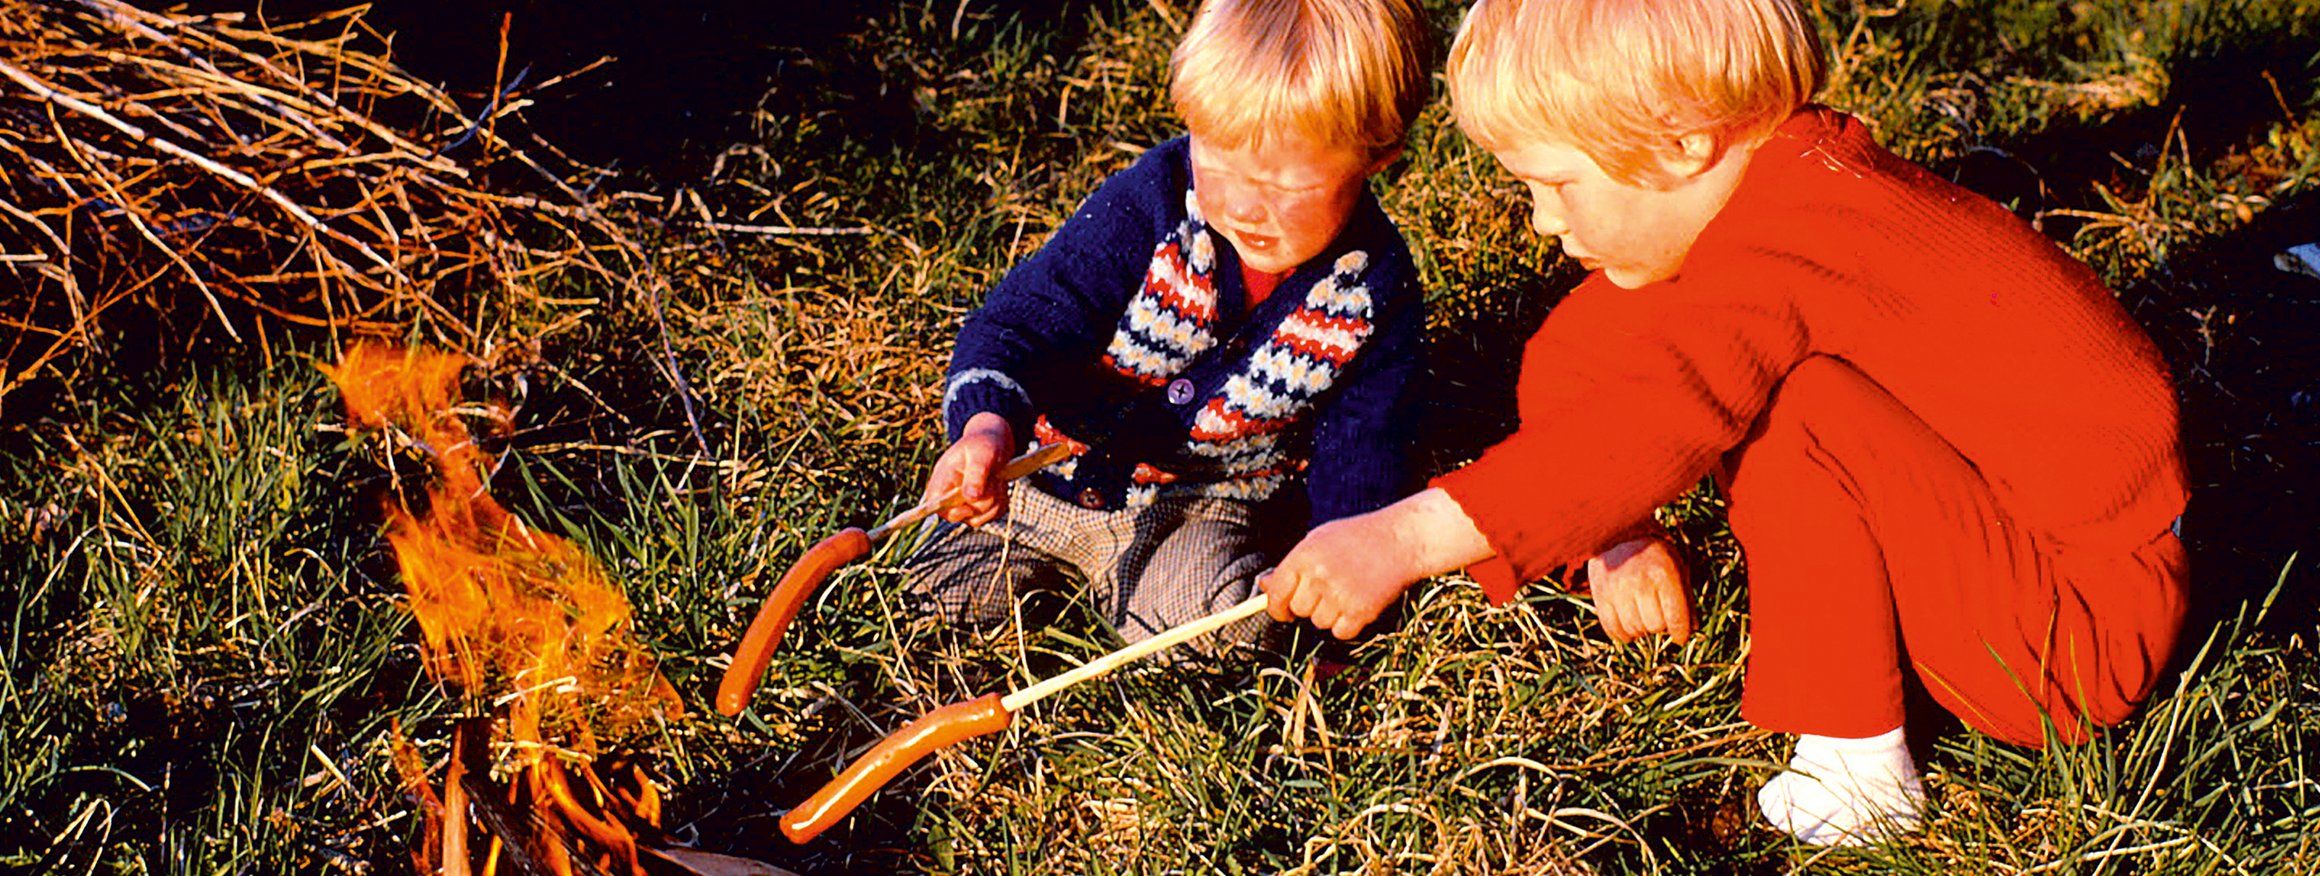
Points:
(1338, 576)
(1639, 590)
(1345, 572)
(973, 462)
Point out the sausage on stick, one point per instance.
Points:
(983, 715)
(781, 606)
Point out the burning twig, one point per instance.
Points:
(523, 625)
(509, 839)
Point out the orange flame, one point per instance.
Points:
(517, 619)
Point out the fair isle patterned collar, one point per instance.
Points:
(1171, 322)
(1172, 319)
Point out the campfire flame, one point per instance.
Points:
(522, 623)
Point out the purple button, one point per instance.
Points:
(1090, 497)
(1180, 391)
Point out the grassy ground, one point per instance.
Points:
(205, 647)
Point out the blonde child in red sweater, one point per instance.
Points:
(1945, 446)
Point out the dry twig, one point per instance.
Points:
(218, 174)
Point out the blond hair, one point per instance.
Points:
(1338, 71)
(1622, 80)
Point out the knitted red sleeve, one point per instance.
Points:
(1626, 400)
(2005, 345)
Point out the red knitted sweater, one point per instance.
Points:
(2009, 348)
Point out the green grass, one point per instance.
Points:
(205, 644)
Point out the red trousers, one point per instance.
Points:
(1870, 542)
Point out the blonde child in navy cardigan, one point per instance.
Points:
(1226, 334)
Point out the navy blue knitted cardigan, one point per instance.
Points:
(1125, 336)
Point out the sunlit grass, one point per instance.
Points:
(205, 646)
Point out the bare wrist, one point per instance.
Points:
(990, 425)
(1435, 533)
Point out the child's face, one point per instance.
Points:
(1279, 205)
(1635, 235)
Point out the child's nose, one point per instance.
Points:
(1545, 222)
(1244, 208)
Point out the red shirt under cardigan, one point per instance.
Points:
(2007, 346)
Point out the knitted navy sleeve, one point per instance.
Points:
(1057, 308)
(1362, 440)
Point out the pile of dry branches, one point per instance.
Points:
(220, 173)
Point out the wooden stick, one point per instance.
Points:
(984, 715)
(136, 218)
(755, 651)
(1019, 466)
(456, 859)
(1167, 639)
(784, 230)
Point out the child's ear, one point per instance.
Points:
(1693, 154)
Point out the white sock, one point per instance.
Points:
(1846, 792)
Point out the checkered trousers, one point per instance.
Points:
(1145, 568)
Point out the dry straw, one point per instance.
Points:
(222, 172)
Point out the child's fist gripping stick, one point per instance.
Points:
(1345, 572)
(971, 471)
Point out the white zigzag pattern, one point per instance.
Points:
(1300, 378)
(1248, 489)
(1243, 455)
(1340, 300)
(1154, 340)
(1208, 420)
(1249, 395)
(1339, 339)
(1259, 445)
(1296, 373)
(1142, 359)
(1154, 323)
(1169, 273)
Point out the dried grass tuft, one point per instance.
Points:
(229, 176)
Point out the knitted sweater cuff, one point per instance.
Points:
(1497, 578)
(1500, 582)
(1500, 506)
(977, 390)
